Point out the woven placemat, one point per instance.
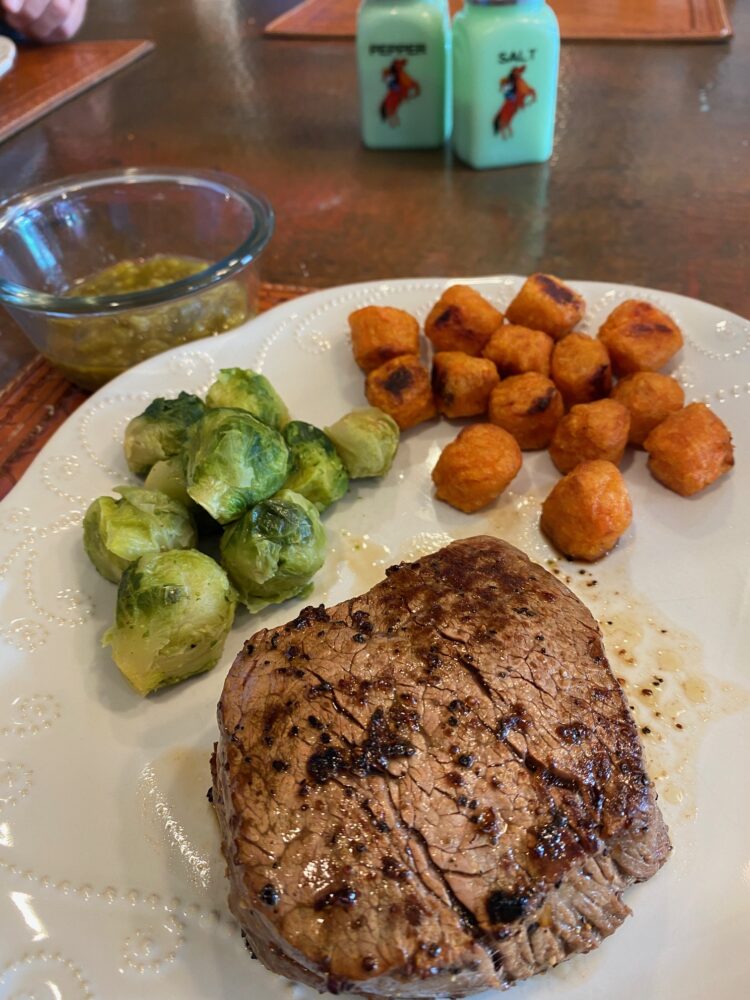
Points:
(601, 20)
(46, 76)
(39, 399)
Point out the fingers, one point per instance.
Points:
(11, 6)
(71, 24)
(30, 10)
(51, 18)
(46, 20)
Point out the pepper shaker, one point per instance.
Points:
(403, 58)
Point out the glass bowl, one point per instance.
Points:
(200, 232)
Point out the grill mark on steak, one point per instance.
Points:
(467, 919)
(506, 907)
(372, 756)
(553, 818)
(477, 677)
(341, 709)
(554, 846)
(343, 896)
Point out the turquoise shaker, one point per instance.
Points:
(403, 58)
(505, 61)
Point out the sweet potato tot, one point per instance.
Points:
(690, 449)
(380, 333)
(546, 303)
(462, 320)
(639, 337)
(461, 384)
(517, 349)
(473, 470)
(401, 388)
(649, 397)
(580, 369)
(590, 431)
(528, 407)
(587, 511)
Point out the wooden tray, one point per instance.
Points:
(39, 398)
(44, 77)
(612, 20)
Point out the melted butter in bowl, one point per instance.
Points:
(92, 349)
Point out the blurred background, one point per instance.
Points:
(648, 183)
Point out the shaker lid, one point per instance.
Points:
(500, 3)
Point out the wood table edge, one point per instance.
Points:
(140, 48)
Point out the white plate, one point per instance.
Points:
(111, 882)
(7, 55)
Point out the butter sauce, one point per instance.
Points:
(357, 558)
(662, 671)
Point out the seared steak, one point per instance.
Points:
(435, 788)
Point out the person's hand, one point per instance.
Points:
(44, 20)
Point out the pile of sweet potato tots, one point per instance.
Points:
(538, 384)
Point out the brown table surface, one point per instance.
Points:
(649, 183)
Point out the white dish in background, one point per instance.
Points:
(7, 55)
(111, 880)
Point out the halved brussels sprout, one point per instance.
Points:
(243, 389)
(174, 611)
(315, 469)
(159, 432)
(272, 552)
(367, 441)
(233, 462)
(117, 532)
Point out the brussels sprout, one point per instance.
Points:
(159, 432)
(174, 610)
(117, 532)
(242, 389)
(233, 462)
(315, 469)
(272, 552)
(168, 476)
(366, 440)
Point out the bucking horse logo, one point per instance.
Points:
(401, 87)
(518, 94)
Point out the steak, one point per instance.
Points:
(435, 788)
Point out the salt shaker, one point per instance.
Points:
(505, 62)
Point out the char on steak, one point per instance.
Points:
(435, 788)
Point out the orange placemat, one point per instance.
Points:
(615, 20)
(39, 399)
(44, 77)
